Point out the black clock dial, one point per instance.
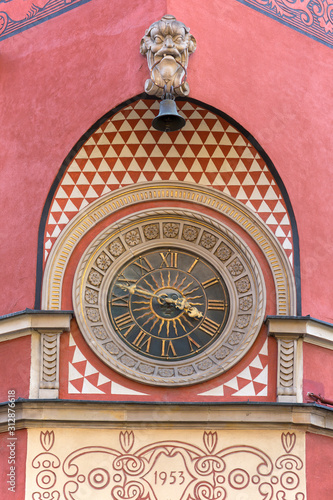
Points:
(168, 304)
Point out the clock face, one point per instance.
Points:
(168, 304)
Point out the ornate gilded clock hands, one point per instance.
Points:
(180, 303)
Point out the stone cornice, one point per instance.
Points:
(310, 329)
(104, 415)
(25, 322)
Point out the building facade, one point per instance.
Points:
(166, 326)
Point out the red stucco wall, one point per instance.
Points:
(15, 367)
(59, 77)
(319, 467)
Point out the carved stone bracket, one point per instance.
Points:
(45, 328)
(289, 359)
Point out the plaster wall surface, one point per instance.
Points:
(59, 77)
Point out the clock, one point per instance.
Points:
(169, 297)
(168, 304)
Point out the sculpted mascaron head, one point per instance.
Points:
(167, 45)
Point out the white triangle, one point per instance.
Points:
(245, 374)
(149, 115)
(279, 207)
(263, 181)
(262, 378)
(67, 181)
(120, 389)
(285, 221)
(141, 153)
(264, 207)
(255, 167)
(181, 167)
(82, 180)
(240, 141)
(156, 153)
(78, 356)
(241, 167)
(217, 391)
(287, 244)
(256, 363)
(225, 167)
(74, 167)
(241, 195)
(70, 207)
(90, 141)
(189, 178)
(48, 245)
(102, 379)
(110, 127)
(72, 389)
(133, 115)
(134, 166)
(142, 178)
(97, 180)
(125, 152)
(111, 153)
(272, 220)
(56, 207)
(263, 392)
(106, 190)
(103, 140)
(225, 141)
(56, 232)
(118, 166)
(232, 153)
(76, 193)
(195, 139)
(217, 126)
(127, 179)
(232, 130)
(173, 153)
(234, 181)
(71, 340)
(83, 204)
(165, 167)
(291, 260)
(249, 205)
(226, 191)
(180, 139)
(149, 166)
(96, 153)
(125, 127)
(140, 126)
(188, 153)
(63, 219)
(90, 370)
(89, 167)
(91, 193)
(163, 139)
(140, 105)
(248, 390)
(118, 139)
(73, 374)
(61, 194)
(88, 388)
(82, 154)
(118, 117)
(196, 167)
(188, 107)
(148, 139)
(211, 139)
(157, 177)
(247, 153)
(233, 383)
(271, 194)
(211, 167)
(51, 220)
(219, 181)
(248, 181)
(204, 181)
(133, 139)
(203, 153)
(264, 349)
(256, 195)
(279, 232)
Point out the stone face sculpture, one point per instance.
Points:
(167, 45)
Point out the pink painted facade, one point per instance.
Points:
(76, 131)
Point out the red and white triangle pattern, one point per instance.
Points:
(252, 381)
(84, 378)
(208, 151)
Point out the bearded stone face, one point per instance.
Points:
(167, 45)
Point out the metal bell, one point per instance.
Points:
(168, 118)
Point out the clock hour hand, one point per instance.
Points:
(179, 303)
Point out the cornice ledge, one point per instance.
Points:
(28, 321)
(104, 414)
(313, 331)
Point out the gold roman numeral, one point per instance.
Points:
(142, 340)
(123, 320)
(190, 269)
(122, 279)
(119, 301)
(210, 282)
(217, 305)
(191, 341)
(166, 350)
(169, 259)
(209, 326)
(144, 264)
